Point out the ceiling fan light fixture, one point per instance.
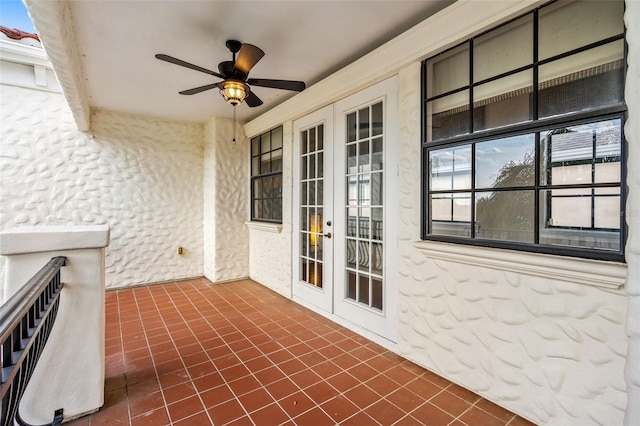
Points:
(234, 91)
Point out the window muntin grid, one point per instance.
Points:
(266, 176)
(577, 82)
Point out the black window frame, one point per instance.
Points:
(535, 126)
(262, 172)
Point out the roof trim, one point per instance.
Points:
(53, 23)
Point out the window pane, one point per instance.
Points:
(376, 117)
(565, 26)
(363, 289)
(606, 213)
(351, 286)
(505, 215)
(376, 189)
(320, 141)
(363, 123)
(255, 146)
(276, 160)
(569, 208)
(377, 154)
(351, 127)
(276, 138)
(265, 142)
(584, 81)
(450, 214)
(504, 101)
(507, 162)
(450, 168)
(448, 116)
(606, 208)
(568, 154)
(363, 156)
(448, 71)
(376, 293)
(303, 141)
(504, 49)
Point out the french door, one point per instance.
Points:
(344, 231)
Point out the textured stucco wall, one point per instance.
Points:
(269, 251)
(226, 201)
(142, 177)
(550, 350)
(632, 133)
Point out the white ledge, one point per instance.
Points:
(275, 228)
(575, 270)
(39, 239)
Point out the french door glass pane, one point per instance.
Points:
(364, 176)
(311, 207)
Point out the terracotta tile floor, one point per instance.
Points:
(193, 353)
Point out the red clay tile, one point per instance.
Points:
(339, 408)
(281, 388)
(185, 408)
(320, 392)
(178, 392)
(429, 413)
(315, 417)
(146, 403)
(362, 396)
(296, 404)
(217, 395)
(207, 382)
(244, 385)
(200, 419)
(476, 416)
(271, 414)
(226, 412)
(157, 417)
(450, 403)
(255, 400)
(384, 412)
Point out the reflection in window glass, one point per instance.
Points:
(504, 49)
(504, 101)
(587, 80)
(450, 168)
(507, 162)
(565, 26)
(450, 70)
(505, 215)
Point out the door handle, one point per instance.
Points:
(328, 235)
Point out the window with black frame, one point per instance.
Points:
(523, 143)
(266, 176)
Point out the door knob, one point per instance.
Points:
(328, 235)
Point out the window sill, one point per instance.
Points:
(275, 228)
(579, 271)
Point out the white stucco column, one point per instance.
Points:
(70, 372)
(226, 201)
(632, 133)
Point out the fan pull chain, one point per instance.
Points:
(234, 124)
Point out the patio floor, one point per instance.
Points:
(193, 353)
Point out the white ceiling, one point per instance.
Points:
(303, 40)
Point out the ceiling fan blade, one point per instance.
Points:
(296, 86)
(199, 89)
(182, 63)
(252, 100)
(248, 56)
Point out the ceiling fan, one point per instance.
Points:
(235, 84)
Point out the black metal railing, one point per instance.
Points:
(26, 320)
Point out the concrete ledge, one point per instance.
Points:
(39, 239)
